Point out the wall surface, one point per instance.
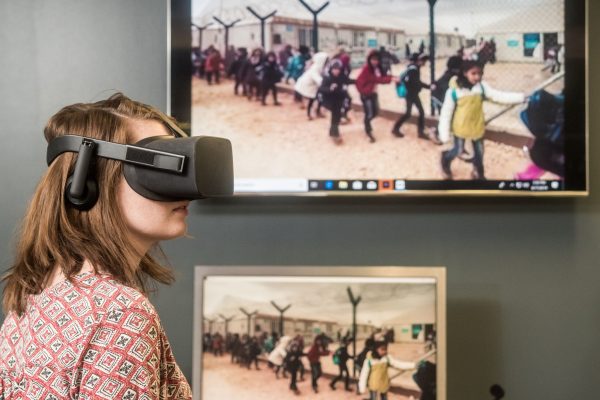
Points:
(523, 275)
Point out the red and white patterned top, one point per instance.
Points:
(91, 339)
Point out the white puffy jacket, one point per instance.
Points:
(308, 84)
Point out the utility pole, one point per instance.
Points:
(210, 324)
(262, 19)
(354, 301)
(315, 13)
(227, 27)
(432, 45)
(249, 315)
(200, 29)
(281, 311)
(224, 318)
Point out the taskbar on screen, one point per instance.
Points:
(389, 186)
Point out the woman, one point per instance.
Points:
(78, 321)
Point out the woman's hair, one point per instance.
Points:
(56, 234)
(467, 65)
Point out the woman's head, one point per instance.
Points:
(116, 234)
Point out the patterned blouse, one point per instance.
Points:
(91, 339)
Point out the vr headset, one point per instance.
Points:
(162, 168)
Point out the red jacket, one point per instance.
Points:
(315, 353)
(367, 80)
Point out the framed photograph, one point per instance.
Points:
(281, 332)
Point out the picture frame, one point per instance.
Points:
(402, 306)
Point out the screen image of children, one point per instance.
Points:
(320, 345)
(360, 94)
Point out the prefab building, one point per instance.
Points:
(446, 44)
(280, 31)
(528, 35)
(259, 323)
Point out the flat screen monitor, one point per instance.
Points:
(260, 332)
(484, 97)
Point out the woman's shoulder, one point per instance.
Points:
(108, 293)
(97, 292)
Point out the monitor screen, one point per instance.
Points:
(394, 97)
(265, 333)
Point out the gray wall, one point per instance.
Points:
(523, 276)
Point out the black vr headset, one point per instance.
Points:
(162, 168)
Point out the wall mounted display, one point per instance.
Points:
(275, 332)
(307, 115)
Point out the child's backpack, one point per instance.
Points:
(544, 116)
(401, 89)
(336, 356)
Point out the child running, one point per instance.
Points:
(334, 90)
(270, 76)
(341, 356)
(412, 79)
(374, 373)
(462, 115)
(293, 362)
(310, 81)
(317, 350)
(366, 84)
(250, 71)
(235, 70)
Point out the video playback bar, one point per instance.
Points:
(401, 185)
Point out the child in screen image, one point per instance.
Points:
(78, 318)
(253, 350)
(412, 80)
(366, 83)
(462, 116)
(310, 81)
(270, 76)
(277, 356)
(250, 72)
(297, 64)
(334, 91)
(341, 356)
(212, 65)
(293, 363)
(453, 69)
(315, 352)
(374, 375)
(344, 58)
(235, 69)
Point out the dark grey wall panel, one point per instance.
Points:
(522, 274)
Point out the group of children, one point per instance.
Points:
(285, 357)
(257, 75)
(323, 81)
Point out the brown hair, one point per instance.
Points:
(55, 234)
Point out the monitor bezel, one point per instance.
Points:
(577, 174)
